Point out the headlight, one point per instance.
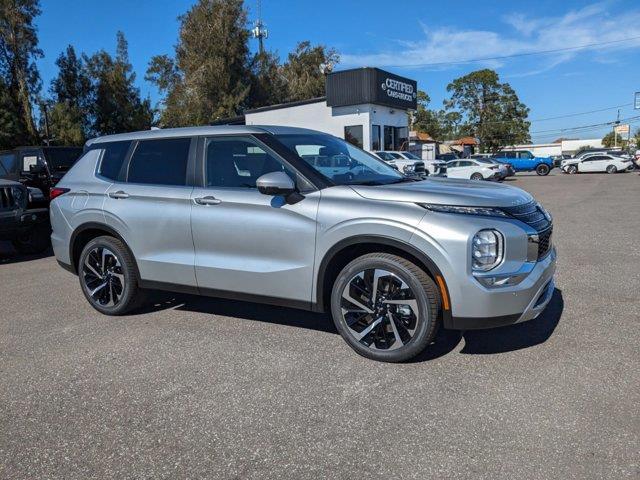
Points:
(487, 250)
(483, 211)
(409, 168)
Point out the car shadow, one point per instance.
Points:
(476, 342)
(159, 300)
(9, 255)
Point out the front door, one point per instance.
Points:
(246, 242)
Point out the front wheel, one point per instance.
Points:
(612, 169)
(385, 307)
(543, 169)
(572, 169)
(108, 276)
(477, 176)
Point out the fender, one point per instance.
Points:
(92, 226)
(432, 268)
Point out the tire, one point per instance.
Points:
(543, 169)
(572, 169)
(612, 169)
(477, 176)
(108, 276)
(36, 240)
(399, 338)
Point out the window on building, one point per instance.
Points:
(112, 159)
(388, 138)
(353, 135)
(401, 139)
(160, 162)
(237, 162)
(375, 137)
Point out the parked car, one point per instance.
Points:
(525, 161)
(473, 170)
(597, 163)
(447, 157)
(408, 166)
(26, 228)
(433, 167)
(505, 169)
(38, 167)
(391, 258)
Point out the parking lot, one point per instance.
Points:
(205, 388)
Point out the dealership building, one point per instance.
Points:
(366, 106)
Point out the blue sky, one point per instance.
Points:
(398, 35)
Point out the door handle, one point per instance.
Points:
(119, 194)
(208, 200)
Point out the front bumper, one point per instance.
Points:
(14, 223)
(525, 301)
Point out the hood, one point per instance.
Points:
(446, 191)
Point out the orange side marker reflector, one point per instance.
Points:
(443, 292)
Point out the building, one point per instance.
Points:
(560, 147)
(366, 106)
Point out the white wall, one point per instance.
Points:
(573, 145)
(332, 120)
(549, 149)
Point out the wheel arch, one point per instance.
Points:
(87, 232)
(349, 248)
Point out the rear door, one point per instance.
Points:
(246, 242)
(150, 206)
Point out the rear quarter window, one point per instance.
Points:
(112, 158)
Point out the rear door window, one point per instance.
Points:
(112, 159)
(160, 162)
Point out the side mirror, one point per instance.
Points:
(275, 183)
(36, 168)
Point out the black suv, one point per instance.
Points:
(27, 228)
(38, 167)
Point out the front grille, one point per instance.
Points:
(419, 167)
(544, 242)
(531, 214)
(7, 201)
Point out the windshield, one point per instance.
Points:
(339, 161)
(411, 156)
(62, 158)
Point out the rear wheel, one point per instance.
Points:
(543, 169)
(385, 307)
(612, 169)
(108, 276)
(477, 176)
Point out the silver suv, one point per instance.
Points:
(251, 213)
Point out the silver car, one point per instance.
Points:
(241, 212)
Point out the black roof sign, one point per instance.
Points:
(371, 85)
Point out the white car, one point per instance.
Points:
(408, 166)
(434, 167)
(597, 163)
(473, 169)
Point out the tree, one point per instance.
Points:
(440, 125)
(491, 111)
(12, 131)
(72, 98)
(609, 140)
(302, 70)
(268, 84)
(210, 77)
(117, 105)
(18, 53)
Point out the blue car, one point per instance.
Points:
(525, 161)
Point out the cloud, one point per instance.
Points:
(442, 46)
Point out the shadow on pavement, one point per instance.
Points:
(476, 342)
(9, 255)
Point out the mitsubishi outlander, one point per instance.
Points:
(244, 212)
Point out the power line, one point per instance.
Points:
(587, 127)
(515, 55)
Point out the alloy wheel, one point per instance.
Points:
(380, 309)
(103, 277)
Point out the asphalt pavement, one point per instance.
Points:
(203, 388)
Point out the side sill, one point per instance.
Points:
(66, 266)
(229, 295)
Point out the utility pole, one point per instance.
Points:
(615, 134)
(46, 122)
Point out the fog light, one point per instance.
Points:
(487, 250)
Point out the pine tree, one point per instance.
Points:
(302, 70)
(21, 81)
